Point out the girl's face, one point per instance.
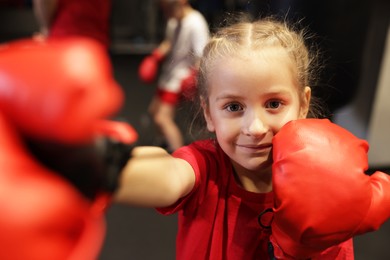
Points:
(250, 98)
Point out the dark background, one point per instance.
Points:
(351, 34)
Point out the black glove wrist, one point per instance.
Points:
(91, 168)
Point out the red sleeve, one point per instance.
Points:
(343, 251)
(194, 158)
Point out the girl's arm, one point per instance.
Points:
(154, 178)
(164, 47)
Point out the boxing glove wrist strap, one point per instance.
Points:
(91, 168)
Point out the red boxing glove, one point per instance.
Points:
(119, 131)
(149, 66)
(188, 85)
(322, 194)
(43, 217)
(55, 96)
(56, 90)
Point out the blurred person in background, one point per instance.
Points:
(63, 18)
(186, 34)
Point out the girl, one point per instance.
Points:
(253, 79)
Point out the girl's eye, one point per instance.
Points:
(233, 107)
(274, 104)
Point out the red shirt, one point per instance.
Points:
(219, 219)
(88, 18)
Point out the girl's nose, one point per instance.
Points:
(255, 126)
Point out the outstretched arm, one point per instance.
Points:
(154, 178)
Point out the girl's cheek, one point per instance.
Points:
(283, 119)
(277, 126)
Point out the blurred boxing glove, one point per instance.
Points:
(149, 66)
(57, 94)
(57, 89)
(43, 217)
(188, 85)
(322, 194)
(94, 167)
(56, 175)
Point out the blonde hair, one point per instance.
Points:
(256, 36)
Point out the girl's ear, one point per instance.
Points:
(305, 102)
(206, 114)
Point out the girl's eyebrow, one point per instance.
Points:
(278, 92)
(227, 96)
(275, 91)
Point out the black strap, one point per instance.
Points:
(91, 168)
